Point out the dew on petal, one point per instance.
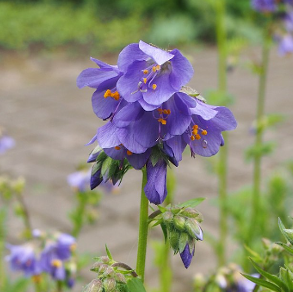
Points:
(204, 143)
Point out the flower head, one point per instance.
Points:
(264, 5)
(151, 75)
(285, 44)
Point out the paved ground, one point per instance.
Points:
(51, 120)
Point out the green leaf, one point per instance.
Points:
(270, 277)
(165, 232)
(108, 253)
(283, 228)
(183, 240)
(106, 165)
(262, 283)
(192, 203)
(135, 285)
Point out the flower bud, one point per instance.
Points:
(192, 213)
(96, 267)
(103, 268)
(105, 259)
(120, 278)
(168, 217)
(109, 284)
(179, 222)
(193, 229)
(95, 285)
(109, 272)
(176, 210)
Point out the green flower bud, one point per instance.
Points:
(120, 278)
(192, 213)
(105, 259)
(103, 268)
(193, 229)
(109, 285)
(96, 267)
(179, 222)
(95, 285)
(168, 217)
(183, 239)
(109, 272)
(176, 210)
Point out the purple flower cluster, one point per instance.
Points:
(6, 143)
(54, 259)
(150, 119)
(283, 9)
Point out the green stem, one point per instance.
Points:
(222, 171)
(143, 229)
(256, 193)
(79, 214)
(2, 247)
(59, 286)
(25, 216)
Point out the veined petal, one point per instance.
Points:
(162, 92)
(186, 256)
(224, 120)
(93, 77)
(103, 107)
(107, 136)
(174, 148)
(158, 55)
(138, 161)
(182, 70)
(130, 54)
(206, 111)
(103, 65)
(155, 188)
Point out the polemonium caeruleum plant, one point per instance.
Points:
(151, 117)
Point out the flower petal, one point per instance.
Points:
(107, 136)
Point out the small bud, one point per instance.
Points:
(168, 217)
(105, 259)
(120, 278)
(103, 268)
(95, 285)
(96, 267)
(109, 284)
(179, 222)
(192, 213)
(176, 210)
(193, 229)
(109, 272)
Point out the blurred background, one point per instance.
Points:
(45, 44)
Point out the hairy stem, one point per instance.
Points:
(143, 229)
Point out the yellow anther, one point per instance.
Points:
(204, 132)
(195, 127)
(167, 112)
(56, 263)
(117, 147)
(162, 121)
(197, 137)
(72, 247)
(195, 131)
(107, 93)
(158, 67)
(154, 68)
(144, 80)
(36, 278)
(160, 110)
(154, 86)
(115, 95)
(129, 152)
(146, 71)
(192, 138)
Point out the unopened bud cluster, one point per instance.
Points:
(182, 227)
(112, 276)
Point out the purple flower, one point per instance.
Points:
(155, 188)
(106, 98)
(23, 258)
(285, 44)
(79, 180)
(6, 143)
(187, 255)
(151, 75)
(288, 20)
(264, 5)
(64, 246)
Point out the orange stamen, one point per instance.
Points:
(144, 80)
(154, 86)
(192, 138)
(197, 137)
(117, 147)
(146, 71)
(129, 152)
(204, 132)
(162, 121)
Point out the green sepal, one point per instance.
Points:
(106, 166)
(191, 244)
(96, 166)
(274, 279)
(165, 231)
(135, 285)
(286, 247)
(179, 222)
(262, 283)
(183, 240)
(192, 203)
(96, 149)
(108, 253)
(256, 256)
(161, 208)
(287, 277)
(283, 228)
(174, 240)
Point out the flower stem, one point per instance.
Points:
(2, 247)
(79, 214)
(256, 193)
(143, 229)
(220, 7)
